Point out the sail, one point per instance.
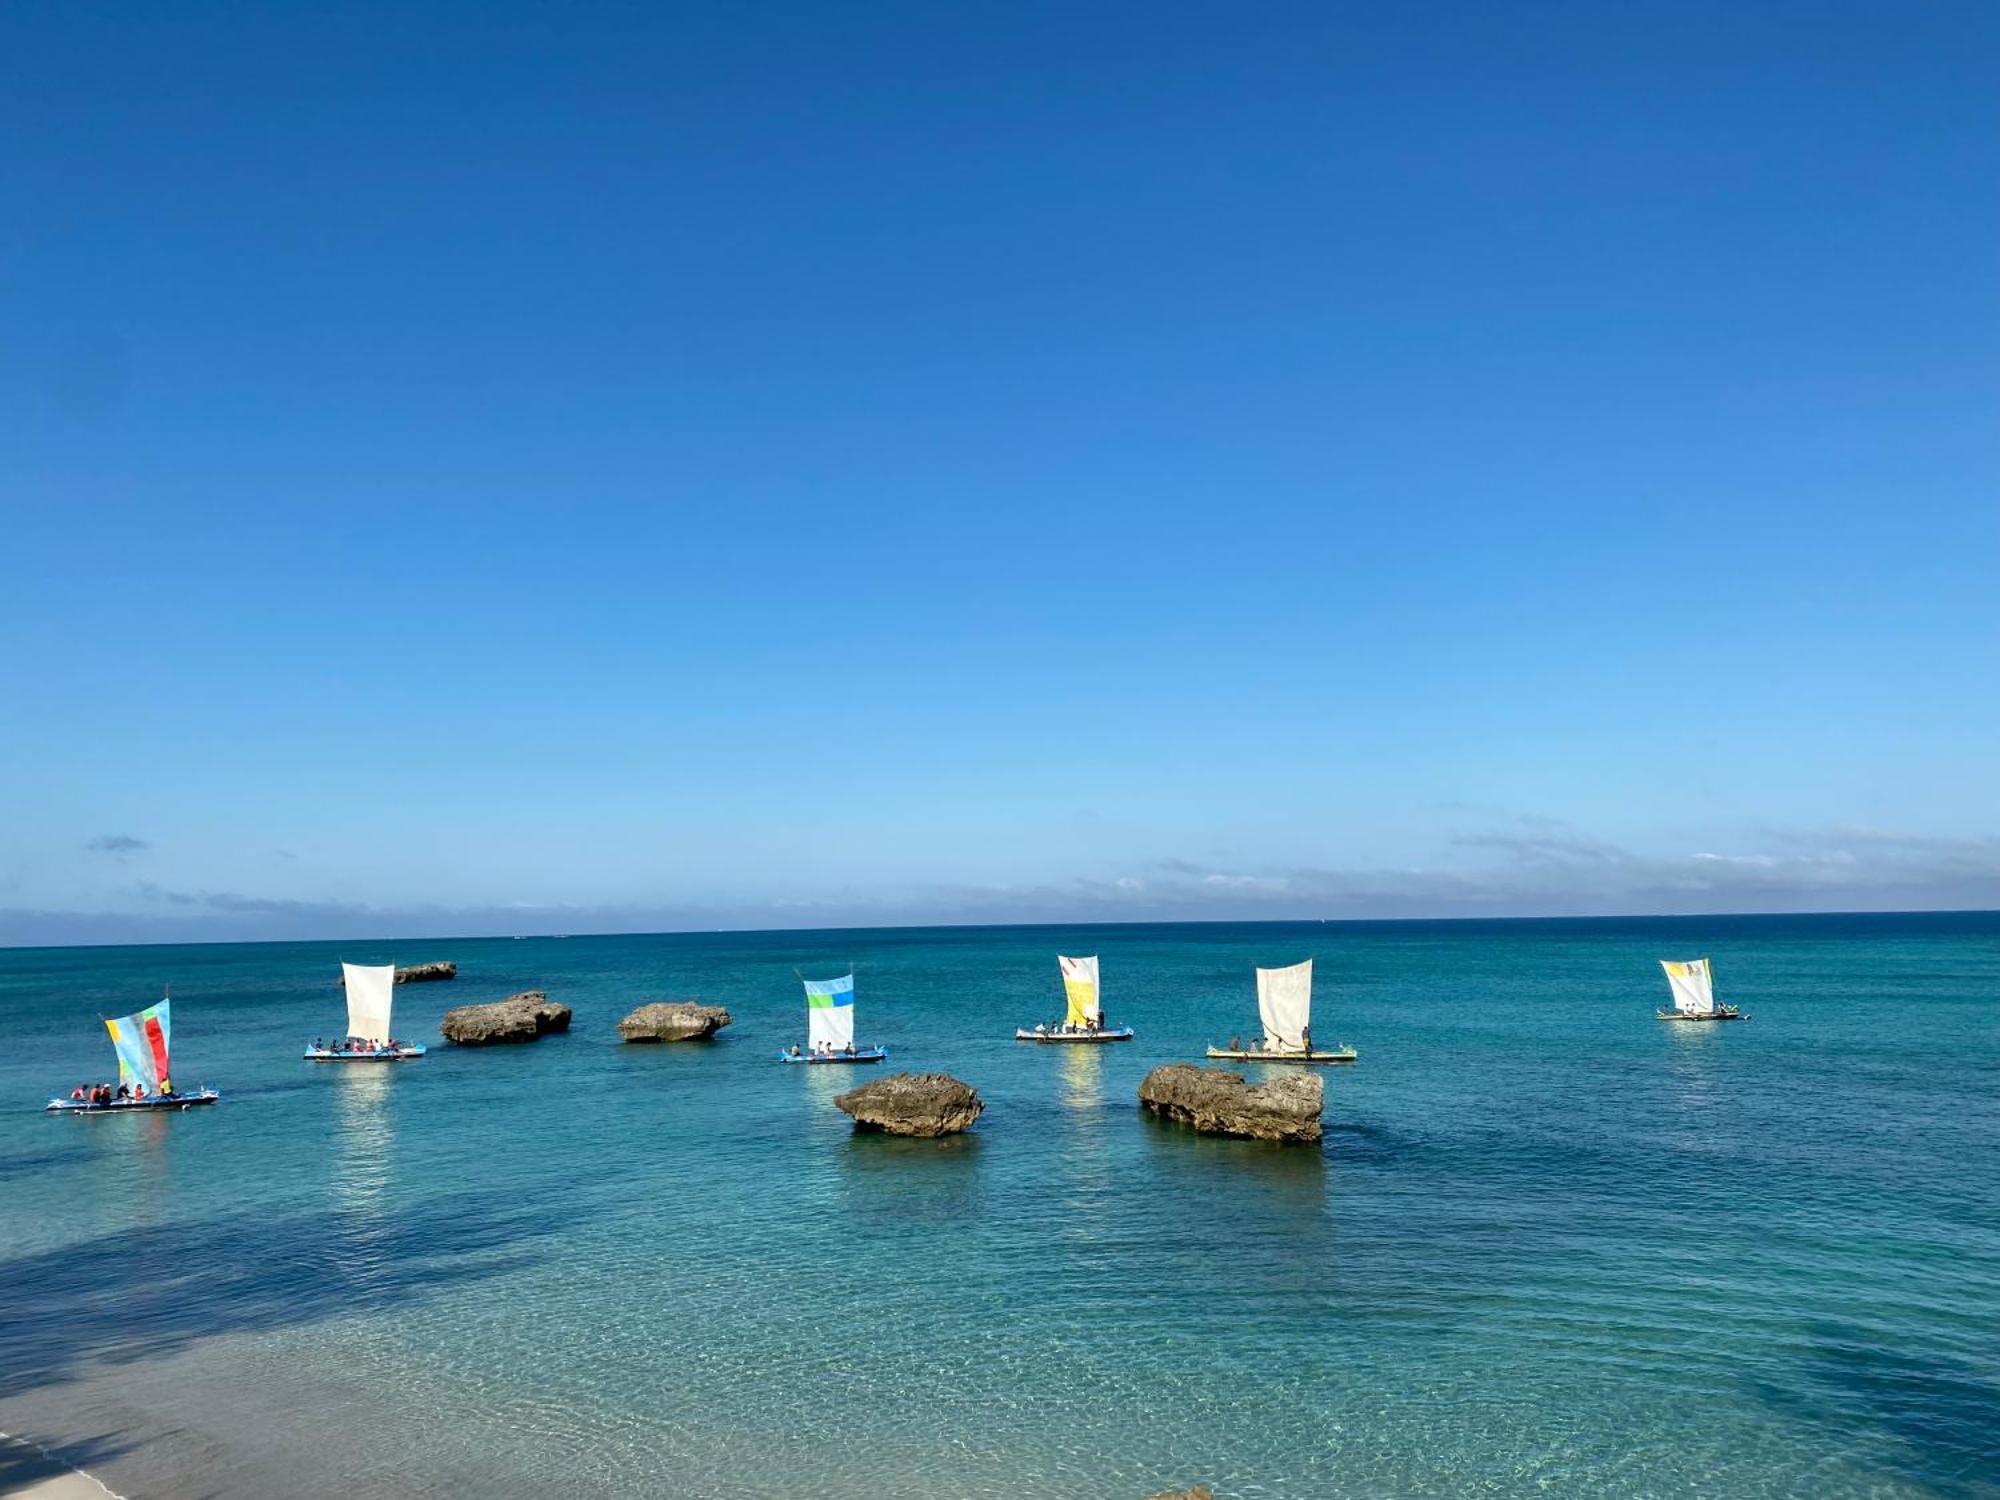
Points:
(371, 989)
(830, 1012)
(141, 1044)
(1080, 986)
(1284, 1001)
(1693, 986)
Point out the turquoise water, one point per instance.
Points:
(1550, 1245)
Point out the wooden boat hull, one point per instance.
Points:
(1714, 1015)
(386, 1054)
(1118, 1034)
(128, 1106)
(863, 1055)
(1302, 1059)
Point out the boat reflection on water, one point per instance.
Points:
(366, 1134)
(1083, 1079)
(1694, 1099)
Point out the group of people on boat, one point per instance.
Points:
(1305, 1043)
(1071, 1028)
(823, 1049)
(103, 1093)
(358, 1044)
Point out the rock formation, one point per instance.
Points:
(1199, 1492)
(518, 1018)
(418, 973)
(912, 1104)
(1219, 1102)
(675, 1021)
(424, 973)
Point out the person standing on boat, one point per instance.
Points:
(1306, 1040)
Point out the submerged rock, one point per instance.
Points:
(673, 1021)
(424, 973)
(518, 1018)
(912, 1104)
(1199, 1492)
(1219, 1102)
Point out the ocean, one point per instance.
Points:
(1549, 1246)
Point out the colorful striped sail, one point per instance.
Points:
(830, 1013)
(1079, 976)
(141, 1043)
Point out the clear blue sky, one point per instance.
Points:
(499, 467)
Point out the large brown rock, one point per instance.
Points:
(912, 1104)
(1219, 1102)
(518, 1018)
(673, 1021)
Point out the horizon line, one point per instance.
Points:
(476, 937)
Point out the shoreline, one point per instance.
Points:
(28, 1471)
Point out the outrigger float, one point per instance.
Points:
(1693, 987)
(830, 1026)
(1083, 1020)
(144, 1077)
(371, 996)
(1284, 1005)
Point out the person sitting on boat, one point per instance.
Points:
(138, 1091)
(124, 1092)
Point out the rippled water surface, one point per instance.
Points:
(1550, 1246)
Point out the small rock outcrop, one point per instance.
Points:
(673, 1021)
(416, 973)
(921, 1104)
(425, 973)
(1219, 1102)
(518, 1018)
(1199, 1492)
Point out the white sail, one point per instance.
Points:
(1079, 976)
(1284, 1001)
(1693, 986)
(371, 990)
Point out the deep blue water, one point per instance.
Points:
(1550, 1245)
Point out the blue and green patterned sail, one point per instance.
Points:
(830, 1013)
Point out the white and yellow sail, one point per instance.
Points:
(1693, 986)
(1079, 976)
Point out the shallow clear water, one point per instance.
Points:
(1550, 1245)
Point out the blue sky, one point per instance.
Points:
(501, 467)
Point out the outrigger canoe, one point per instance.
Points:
(1727, 1013)
(1259, 1055)
(402, 1052)
(1043, 1034)
(121, 1106)
(1083, 1016)
(859, 1055)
